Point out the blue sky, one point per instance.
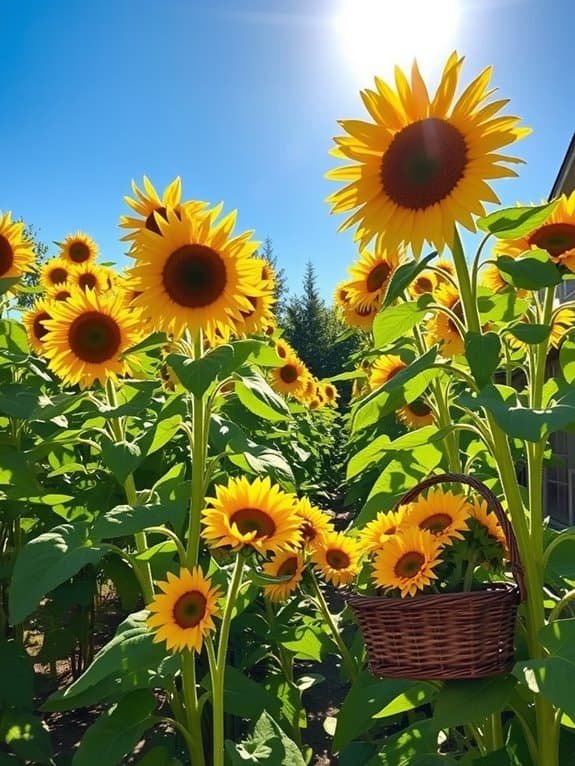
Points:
(241, 98)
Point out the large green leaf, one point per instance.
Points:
(461, 702)
(513, 222)
(403, 748)
(26, 735)
(259, 398)
(567, 360)
(17, 674)
(412, 698)
(397, 321)
(403, 276)
(532, 271)
(127, 520)
(122, 458)
(530, 333)
(382, 445)
(482, 352)
(268, 745)
(244, 697)
(500, 307)
(13, 336)
(46, 562)
(117, 731)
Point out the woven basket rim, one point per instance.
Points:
(490, 589)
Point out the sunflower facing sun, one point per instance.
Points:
(384, 369)
(56, 271)
(370, 276)
(16, 251)
(78, 248)
(337, 558)
(315, 523)
(182, 615)
(424, 163)
(407, 562)
(34, 323)
(443, 514)
(284, 564)
(380, 531)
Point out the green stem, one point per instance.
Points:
(193, 713)
(497, 740)
(348, 661)
(183, 731)
(568, 534)
(171, 535)
(145, 572)
(560, 605)
(468, 577)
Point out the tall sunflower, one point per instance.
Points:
(291, 377)
(329, 393)
(380, 531)
(384, 369)
(444, 514)
(423, 284)
(337, 558)
(34, 323)
(423, 164)
(90, 276)
(257, 514)
(60, 292)
(78, 248)
(182, 615)
(87, 335)
(407, 562)
(194, 274)
(370, 275)
(563, 322)
(556, 235)
(16, 251)
(416, 414)
(315, 524)
(441, 327)
(56, 271)
(360, 317)
(283, 564)
(481, 513)
(260, 317)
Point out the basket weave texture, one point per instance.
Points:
(446, 635)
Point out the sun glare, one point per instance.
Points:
(376, 34)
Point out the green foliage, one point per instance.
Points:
(514, 222)
(267, 745)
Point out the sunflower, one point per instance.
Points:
(423, 284)
(90, 276)
(416, 414)
(481, 513)
(370, 276)
(315, 524)
(380, 531)
(87, 335)
(444, 514)
(330, 393)
(260, 316)
(283, 349)
(341, 295)
(150, 207)
(422, 165)
(291, 377)
(441, 328)
(384, 369)
(260, 515)
(34, 323)
(56, 271)
(16, 251)
(360, 317)
(556, 235)
(407, 561)
(61, 292)
(283, 564)
(78, 248)
(337, 558)
(182, 615)
(492, 280)
(194, 275)
(562, 323)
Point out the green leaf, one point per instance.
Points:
(163, 431)
(306, 645)
(7, 283)
(403, 276)
(121, 458)
(17, 674)
(500, 307)
(13, 337)
(513, 222)
(262, 579)
(567, 360)
(531, 271)
(26, 735)
(117, 731)
(127, 520)
(496, 758)
(46, 562)
(530, 333)
(403, 748)
(460, 702)
(482, 352)
(159, 756)
(259, 398)
(414, 697)
(397, 321)
(244, 697)
(433, 760)
(269, 745)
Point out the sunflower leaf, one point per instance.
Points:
(531, 271)
(514, 222)
(403, 276)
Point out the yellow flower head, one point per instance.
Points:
(360, 317)
(481, 513)
(444, 514)
(90, 276)
(423, 164)
(182, 615)
(341, 295)
(384, 369)
(330, 393)
(380, 531)
(283, 564)
(257, 514)
(87, 335)
(34, 323)
(337, 558)
(370, 276)
(407, 561)
(423, 284)
(416, 414)
(260, 317)
(291, 377)
(61, 292)
(441, 328)
(78, 248)
(16, 252)
(315, 524)
(55, 272)
(563, 322)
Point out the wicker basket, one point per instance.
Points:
(448, 635)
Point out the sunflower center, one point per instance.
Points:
(87, 281)
(255, 520)
(409, 564)
(423, 164)
(6, 255)
(288, 373)
(420, 408)
(62, 295)
(194, 276)
(38, 325)
(556, 238)
(436, 523)
(94, 337)
(79, 252)
(456, 309)
(289, 567)
(363, 311)
(337, 559)
(189, 609)
(390, 531)
(394, 370)
(329, 392)
(58, 275)
(308, 531)
(377, 277)
(423, 285)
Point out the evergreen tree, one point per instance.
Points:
(31, 278)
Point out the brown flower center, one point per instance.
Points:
(329, 392)
(308, 530)
(38, 325)
(62, 295)
(288, 373)
(247, 314)
(337, 559)
(189, 609)
(6, 255)
(194, 276)
(456, 309)
(423, 285)
(556, 238)
(58, 275)
(409, 564)
(364, 311)
(94, 337)
(377, 277)
(436, 523)
(420, 408)
(87, 281)
(289, 567)
(255, 520)
(79, 252)
(424, 163)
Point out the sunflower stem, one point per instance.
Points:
(193, 712)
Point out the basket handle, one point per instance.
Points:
(492, 502)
